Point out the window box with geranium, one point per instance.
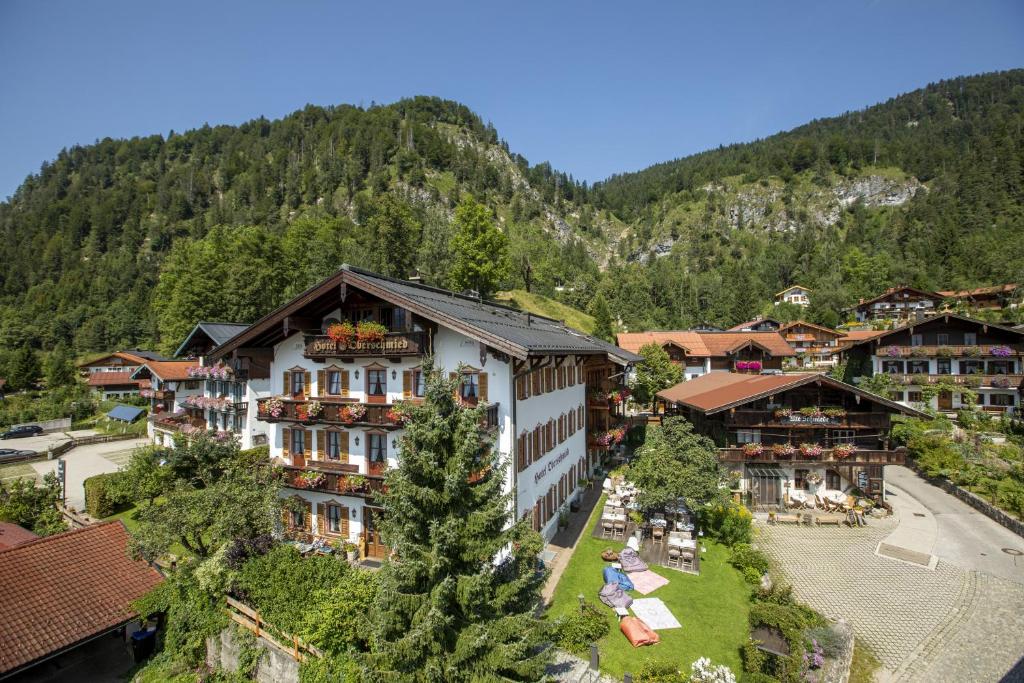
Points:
(810, 450)
(843, 450)
(274, 407)
(784, 450)
(893, 352)
(368, 331)
(751, 365)
(355, 483)
(811, 411)
(783, 413)
(1001, 351)
(752, 450)
(834, 412)
(399, 413)
(972, 351)
(309, 480)
(353, 412)
(341, 333)
(1001, 382)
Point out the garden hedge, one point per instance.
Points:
(100, 500)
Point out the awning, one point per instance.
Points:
(765, 472)
(125, 413)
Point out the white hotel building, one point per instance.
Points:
(330, 410)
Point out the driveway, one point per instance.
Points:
(958, 620)
(86, 461)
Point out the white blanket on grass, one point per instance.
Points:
(654, 613)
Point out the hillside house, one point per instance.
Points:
(702, 352)
(794, 294)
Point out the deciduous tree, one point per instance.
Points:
(675, 462)
(655, 372)
(480, 250)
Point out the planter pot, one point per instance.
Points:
(574, 506)
(352, 555)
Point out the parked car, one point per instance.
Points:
(23, 430)
(13, 454)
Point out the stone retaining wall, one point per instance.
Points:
(975, 501)
(838, 670)
(275, 666)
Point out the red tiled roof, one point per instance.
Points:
(59, 590)
(171, 370)
(854, 336)
(718, 391)
(707, 343)
(804, 323)
(12, 535)
(106, 379)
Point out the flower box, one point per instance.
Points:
(352, 412)
(893, 352)
(752, 450)
(367, 331)
(842, 451)
(342, 333)
(784, 450)
(810, 450)
(1001, 351)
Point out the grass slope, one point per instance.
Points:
(713, 608)
(549, 308)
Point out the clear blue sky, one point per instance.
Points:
(593, 87)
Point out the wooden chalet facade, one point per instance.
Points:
(950, 352)
(700, 353)
(329, 404)
(899, 304)
(815, 345)
(801, 431)
(794, 294)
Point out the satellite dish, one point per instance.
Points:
(327, 323)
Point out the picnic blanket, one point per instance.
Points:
(647, 581)
(637, 632)
(613, 596)
(612, 575)
(655, 614)
(630, 561)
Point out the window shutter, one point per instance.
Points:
(344, 382)
(308, 444)
(286, 447)
(307, 389)
(286, 518)
(321, 519)
(561, 378)
(406, 383)
(534, 384)
(482, 380)
(581, 377)
(343, 447)
(321, 382)
(321, 442)
(521, 454)
(309, 516)
(344, 521)
(287, 383)
(536, 444)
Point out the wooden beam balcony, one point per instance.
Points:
(972, 381)
(344, 413)
(321, 347)
(768, 418)
(859, 457)
(330, 477)
(175, 423)
(964, 352)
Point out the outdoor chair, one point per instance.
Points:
(686, 560)
(673, 557)
(608, 529)
(658, 535)
(620, 529)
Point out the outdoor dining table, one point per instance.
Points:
(615, 518)
(660, 523)
(680, 542)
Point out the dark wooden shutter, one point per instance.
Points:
(321, 519)
(406, 383)
(561, 378)
(344, 382)
(482, 385)
(343, 446)
(308, 443)
(321, 442)
(286, 435)
(321, 383)
(309, 516)
(307, 389)
(344, 521)
(287, 386)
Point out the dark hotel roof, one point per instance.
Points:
(217, 332)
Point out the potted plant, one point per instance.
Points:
(752, 450)
(353, 412)
(810, 450)
(351, 551)
(342, 333)
(369, 331)
(843, 450)
(894, 352)
(1001, 351)
(783, 450)
(356, 482)
(563, 520)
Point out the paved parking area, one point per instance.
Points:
(946, 624)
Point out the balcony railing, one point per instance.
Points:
(768, 418)
(335, 413)
(329, 477)
(393, 344)
(176, 423)
(949, 351)
(859, 457)
(995, 381)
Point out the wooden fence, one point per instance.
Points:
(250, 619)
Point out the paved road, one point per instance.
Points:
(964, 537)
(959, 621)
(86, 461)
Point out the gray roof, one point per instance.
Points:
(536, 334)
(217, 332)
(148, 355)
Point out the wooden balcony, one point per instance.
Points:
(949, 351)
(174, 423)
(767, 418)
(858, 458)
(332, 413)
(343, 479)
(320, 347)
(979, 380)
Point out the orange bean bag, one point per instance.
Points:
(637, 632)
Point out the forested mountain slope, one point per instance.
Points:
(124, 242)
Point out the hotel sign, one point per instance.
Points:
(552, 464)
(393, 344)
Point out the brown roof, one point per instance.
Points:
(751, 323)
(919, 323)
(707, 343)
(963, 293)
(60, 590)
(718, 391)
(123, 355)
(806, 289)
(804, 323)
(892, 290)
(106, 379)
(854, 336)
(12, 535)
(171, 370)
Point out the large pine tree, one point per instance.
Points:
(458, 595)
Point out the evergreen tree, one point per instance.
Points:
(603, 327)
(60, 372)
(457, 598)
(480, 250)
(396, 233)
(25, 370)
(654, 373)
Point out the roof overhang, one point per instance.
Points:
(925, 321)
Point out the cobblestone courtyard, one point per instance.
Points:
(949, 624)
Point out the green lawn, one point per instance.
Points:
(549, 308)
(712, 608)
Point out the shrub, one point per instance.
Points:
(746, 556)
(660, 672)
(828, 640)
(751, 576)
(729, 523)
(102, 494)
(753, 658)
(579, 628)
